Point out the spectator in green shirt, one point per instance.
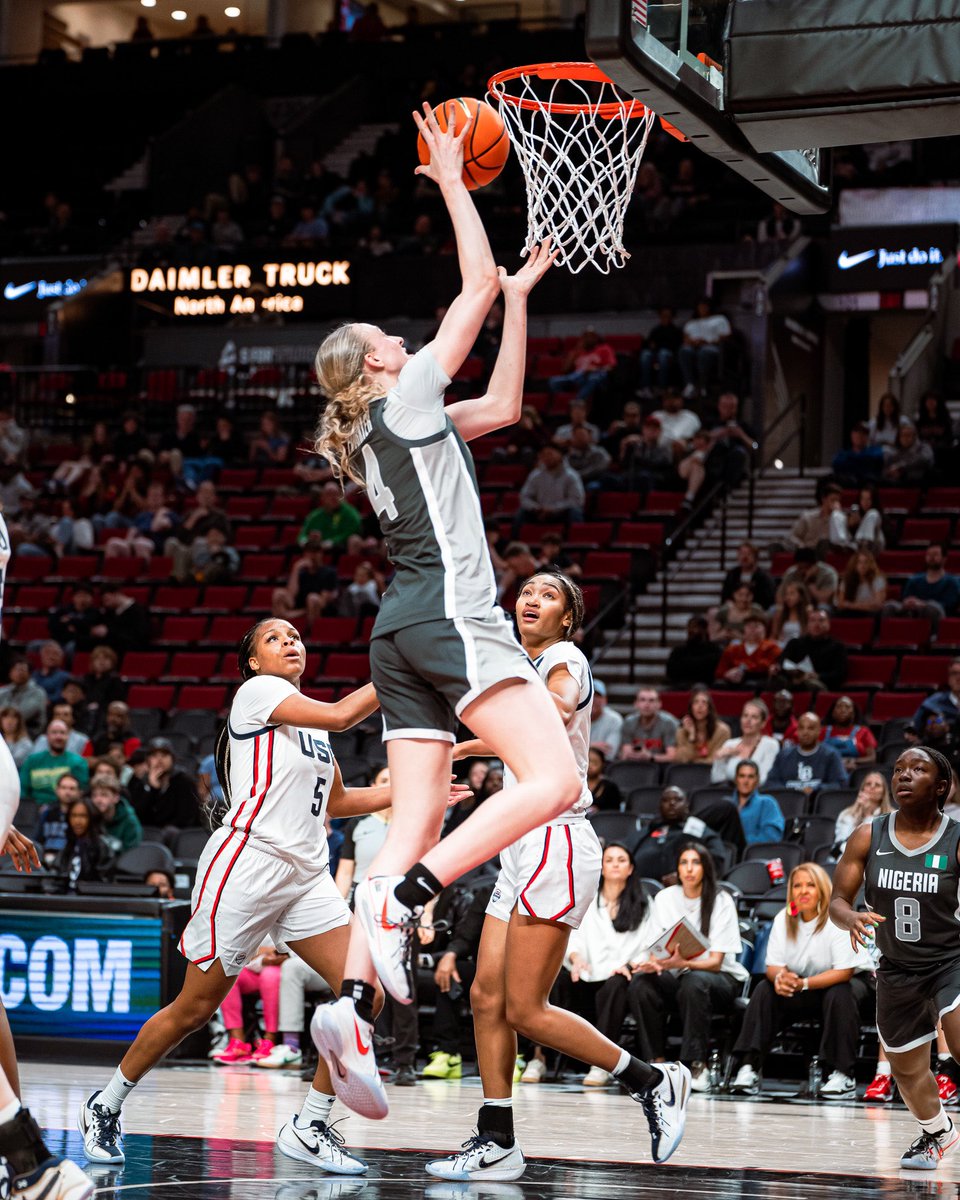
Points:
(335, 519)
(121, 825)
(41, 770)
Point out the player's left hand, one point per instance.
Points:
(446, 148)
(458, 792)
(540, 259)
(23, 853)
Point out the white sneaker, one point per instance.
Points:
(480, 1158)
(839, 1087)
(929, 1148)
(389, 927)
(100, 1130)
(747, 1082)
(596, 1077)
(665, 1107)
(55, 1179)
(280, 1056)
(320, 1145)
(346, 1044)
(534, 1071)
(700, 1079)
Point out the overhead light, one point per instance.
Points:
(70, 398)
(231, 11)
(149, 3)
(178, 14)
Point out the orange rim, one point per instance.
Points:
(581, 72)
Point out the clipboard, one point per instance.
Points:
(684, 938)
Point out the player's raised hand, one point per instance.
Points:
(540, 259)
(446, 148)
(23, 853)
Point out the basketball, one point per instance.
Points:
(487, 146)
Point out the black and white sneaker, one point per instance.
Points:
(319, 1144)
(55, 1179)
(929, 1148)
(100, 1130)
(665, 1107)
(480, 1158)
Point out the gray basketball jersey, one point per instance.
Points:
(918, 891)
(425, 495)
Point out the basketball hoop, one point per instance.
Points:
(579, 140)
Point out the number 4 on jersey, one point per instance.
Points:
(380, 495)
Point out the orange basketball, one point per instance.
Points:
(487, 146)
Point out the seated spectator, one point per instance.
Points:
(226, 445)
(628, 424)
(73, 694)
(270, 446)
(782, 724)
(845, 731)
(334, 520)
(932, 593)
(204, 516)
(807, 765)
(645, 462)
(935, 427)
(121, 826)
(579, 410)
(811, 530)
(945, 703)
(815, 661)
(42, 769)
(790, 613)
(752, 744)
(210, 792)
(660, 350)
(14, 731)
(695, 988)
(659, 847)
(702, 350)
(311, 587)
(750, 659)
(77, 742)
(695, 659)
(552, 554)
(862, 526)
(863, 588)
(72, 624)
(733, 616)
(873, 800)
(819, 578)
(518, 564)
(310, 230)
(296, 981)
(51, 828)
(943, 735)
(526, 439)
(587, 366)
(13, 438)
(86, 856)
(590, 461)
(260, 977)
(780, 226)
(164, 796)
(760, 814)
(553, 491)
(607, 796)
(362, 840)
(212, 560)
(748, 570)
(862, 463)
(127, 621)
(349, 208)
(884, 427)
(225, 233)
(701, 732)
(614, 931)
(606, 724)
(732, 442)
(909, 461)
(163, 882)
(692, 468)
(361, 597)
(101, 685)
(27, 697)
(649, 734)
(812, 972)
(131, 442)
(677, 424)
(183, 441)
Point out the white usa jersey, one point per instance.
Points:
(578, 731)
(280, 776)
(4, 562)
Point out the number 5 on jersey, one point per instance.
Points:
(319, 796)
(380, 495)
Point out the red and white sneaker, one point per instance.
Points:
(235, 1051)
(346, 1044)
(946, 1089)
(263, 1049)
(881, 1090)
(389, 927)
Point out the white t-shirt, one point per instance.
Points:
(812, 952)
(708, 329)
(670, 905)
(414, 408)
(578, 731)
(677, 426)
(280, 776)
(600, 945)
(725, 769)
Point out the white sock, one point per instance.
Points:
(938, 1124)
(116, 1091)
(622, 1063)
(316, 1107)
(883, 1068)
(11, 1110)
(498, 1102)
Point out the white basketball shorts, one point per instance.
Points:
(552, 873)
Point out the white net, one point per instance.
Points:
(579, 142)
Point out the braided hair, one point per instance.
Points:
(572, 598)
(944, 771)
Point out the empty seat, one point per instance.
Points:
(353, 667)
(918, 670)
(138, 862)
(333, 631)
(210, 696)
(689, 776)
(224, 597)
(150, 695)
(871, 670)
(853, 631)
(616, 827)
(639, 533)
(175, 598)
(921, 531)
(789, 853)
(192, 664)
(890, 705)
(906, 633)
(644, 801)
(228, 630)
(187, 631)
(630, 775)
(263, 566)
(246, 507)
(618, 504)
(190, 843)
(143, 665)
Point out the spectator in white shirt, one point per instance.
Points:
(606, 724)
(677, 424)
(703, 337)
(752, 744)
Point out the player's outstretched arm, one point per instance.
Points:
(847, 880)
(359, 801)
(318, 714)
(478, 271)
(504, 397)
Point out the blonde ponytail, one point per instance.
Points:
(339, 370)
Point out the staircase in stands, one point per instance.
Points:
(695, 585)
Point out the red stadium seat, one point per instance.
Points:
(729, 704)
(899, 500)
(638, 533)
(212, 697)
(159, 567)
(852, 631)
(74, 566)
(891, 706)
(249, 508)
(618, 504)
(589, 533)
(128, 567)
(352, 667)
(504, 475)
(263, 567)
(917, 670)
(278, 477)
(289, 508)
(470, 369)
(333, 631)
(151, 695)
(192, 665)
(871, 670)
(600, 564)
(906, 633)
(143, 664)
(228, 630)
(186, 631)
(261, 599)
(665, 502)
(31, 629)
(948, 633)
(941, 499)
(824, 701)
(175, 598)
(900, 562)
(224, 597)
(921, 531)
(30, 598)
(237, 479)
(255, 537)
(29, 566)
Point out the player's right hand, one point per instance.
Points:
(446, 148)
(861, 926)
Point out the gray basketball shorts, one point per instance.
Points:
(911, 1002)
(427, 674)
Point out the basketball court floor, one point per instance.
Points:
(207, 1133)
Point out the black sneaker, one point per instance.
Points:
(100, 1129)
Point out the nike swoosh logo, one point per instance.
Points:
(15, 291)
(306, 1145)
(845, 261)
(360, 1046)
(881, 853)
(384, 923)
(673, 1094)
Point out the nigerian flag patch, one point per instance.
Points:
(937, 862)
